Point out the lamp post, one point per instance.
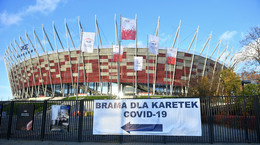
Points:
(243, 83)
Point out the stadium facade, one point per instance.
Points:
(66, 72)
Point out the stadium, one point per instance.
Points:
(71, 71)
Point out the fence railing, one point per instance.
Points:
(224, 119)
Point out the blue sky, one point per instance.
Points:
(228, 20)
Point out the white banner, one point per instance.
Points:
(153, 44)
(171, 117)
(138, 63)
(116, 49)
(87, 42)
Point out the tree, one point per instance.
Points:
(200, 87)
(230, 82)
(254, 87)
(252, 75)
(250, 47)
(224, 83)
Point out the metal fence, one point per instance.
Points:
(224, 119)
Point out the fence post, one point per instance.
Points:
(257, 116)
(121, 139)
(245, 119)
(80, 125)
(43, 119)
(210, 124)
(10, 120)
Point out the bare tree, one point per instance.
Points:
(251, 46)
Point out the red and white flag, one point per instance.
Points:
(128, 29)
(153, 44)
(138, 63)
(87, 44)
(116, 53)
(171, 55)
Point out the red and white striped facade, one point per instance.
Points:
(59, 68)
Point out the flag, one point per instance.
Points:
(116, 53)
(87, 44)
(171, 55)
(128, 29)
(153, 44)
(138, 63)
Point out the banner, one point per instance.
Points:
(60, 118)
(25, 117)
(87, 44)
(166, 117)
(1, 109)
(138, 63)
(153, 44)
(116, 53)
(128, 29)
(171, 55)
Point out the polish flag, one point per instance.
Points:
(128, 29)
(171, 55)
(116, 53)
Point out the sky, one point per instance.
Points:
(228, 20)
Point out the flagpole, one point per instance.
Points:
(99, 38)
(80, 30)
(156, 58)
(166, 69)
(147, 68)
(111, 73)
(118, 68)
(135, 55)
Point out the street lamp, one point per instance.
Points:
(245, 82)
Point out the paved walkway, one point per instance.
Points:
(28, 142)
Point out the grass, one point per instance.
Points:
(108, 97)
(152, 97)
(88, 97)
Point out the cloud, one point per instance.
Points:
(132, 45)
(225, 54)
(228, 35)
(10, 19)
(41, 6)
(164, 37)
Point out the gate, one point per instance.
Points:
(224, 119)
